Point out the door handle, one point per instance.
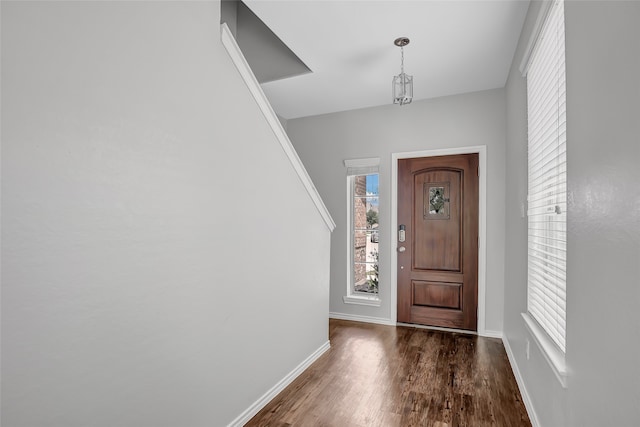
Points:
(401, 249)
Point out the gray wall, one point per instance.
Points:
(603, 150)
(151, 272)
(323, 142)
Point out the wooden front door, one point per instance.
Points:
(438, 267)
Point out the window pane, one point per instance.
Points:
(365, 255)
(360, 242)
(366, 275)
(365, 234)
(366, 185)
(360, 185)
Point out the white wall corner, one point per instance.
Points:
(520, 381)
(241, 64)
(252, 410)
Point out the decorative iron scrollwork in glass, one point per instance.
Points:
(436, 200)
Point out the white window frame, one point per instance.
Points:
(357, 167)
(545, 318)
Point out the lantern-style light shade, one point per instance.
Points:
(402, 83)
(402, 89)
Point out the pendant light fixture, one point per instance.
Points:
(402, 83)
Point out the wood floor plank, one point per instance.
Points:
(387, 376)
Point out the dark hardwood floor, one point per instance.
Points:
(378, 375)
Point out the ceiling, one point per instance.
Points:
(456, 47)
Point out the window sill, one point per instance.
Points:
(373, 301)
(555, 357)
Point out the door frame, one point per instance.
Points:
(482, 224)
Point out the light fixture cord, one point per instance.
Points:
(402, 59)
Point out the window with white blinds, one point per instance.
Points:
(547, 182)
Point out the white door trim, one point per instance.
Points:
(482, 224)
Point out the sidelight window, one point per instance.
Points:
(364, 234)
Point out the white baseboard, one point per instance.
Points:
(365, 319)
(490, 334)
(252, 410)
(523, 390)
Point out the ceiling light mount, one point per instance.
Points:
(401, 41)
(402, 83)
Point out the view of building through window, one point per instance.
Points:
(366, 235)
